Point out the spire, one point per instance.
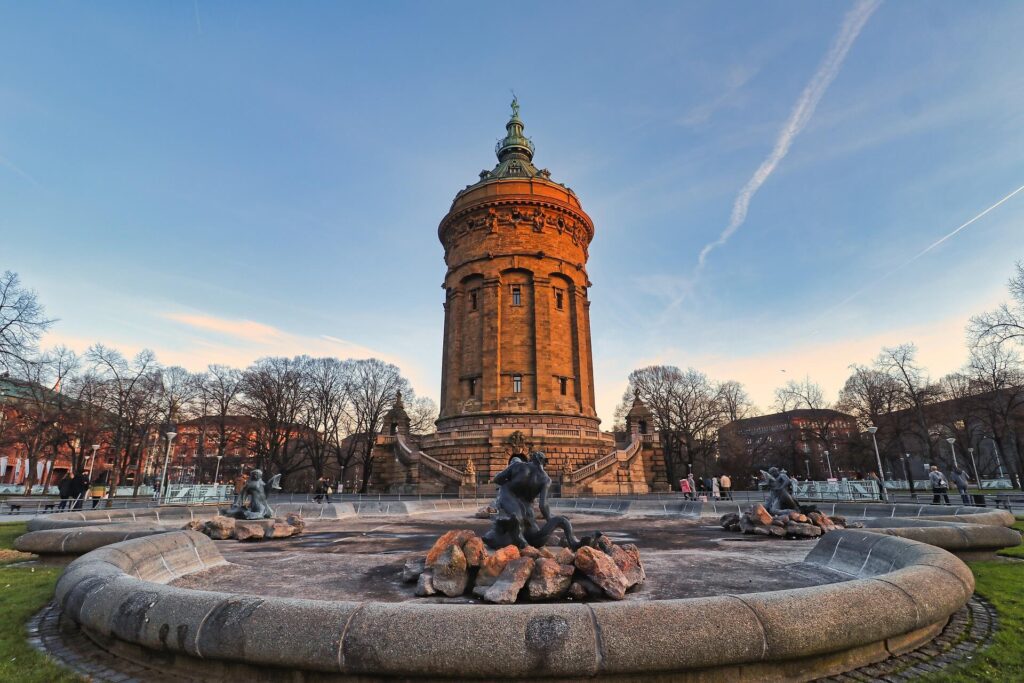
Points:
(515, 152)
(515, 143)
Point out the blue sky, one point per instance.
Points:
(221, 181)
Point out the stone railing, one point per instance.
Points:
(593, 468)
(555, 431)
(407, 456)
(384, 439)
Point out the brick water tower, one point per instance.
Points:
(517, 369)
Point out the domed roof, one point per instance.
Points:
(515, 153)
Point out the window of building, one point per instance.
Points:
(517, 295)
(474, 300)
(472, 386)
(562, 384)
(559, 300)
(517, 384)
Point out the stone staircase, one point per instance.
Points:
(410, 456)
(595, 469)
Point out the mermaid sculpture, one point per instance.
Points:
(519, 485)
(254, 492)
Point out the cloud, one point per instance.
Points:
(196, 340)
(240, 329)
(798, 118)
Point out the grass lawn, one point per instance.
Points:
(23, 592)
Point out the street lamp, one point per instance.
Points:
(216, 474)
(951, 441)
(910, 477)
(829, 461)
(92, 463)
(881, 475)
(163, 477)
(974, 464)
(995, 447)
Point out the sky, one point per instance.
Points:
(768, 180)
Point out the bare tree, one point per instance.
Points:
(899, 363)
(43, 413)
(219, 389)
(996, 376)
(1006, 323)
(129, 392)
(422, 413)
(273, 395)
(375, 384)
(327, 383)
(818, 421)
(22, 320)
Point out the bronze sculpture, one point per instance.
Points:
(255, 493)
(519, 485)
(780, 491)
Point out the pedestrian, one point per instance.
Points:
(716, 491)
(318, 491)
(79, 487)
(64, 489)
(684, 488)
(940, 487)
(693, 486)
(873, 476)
(328, 490)
(726, 484)
(959, 479)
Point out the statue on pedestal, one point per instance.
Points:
(780, 491)
(519, 485)
(254, 493)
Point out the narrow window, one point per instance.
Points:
(562, 384)
(473, 301)
(517, 384)
(517, 296)
(559, 301)
(472, 387)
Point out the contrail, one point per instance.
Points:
(798, 118)
(921, 253)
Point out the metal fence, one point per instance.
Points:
(179, 494)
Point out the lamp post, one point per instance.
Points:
(995, 447)
(910, 477)
(952, 446)
(163, 477)
(878, 457)
(974, 464)
(216, 474)
(92, 463)
(829, 461)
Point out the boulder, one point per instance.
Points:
(751, 526)
(493, 565)
(563, 555)
(450, 572)
(425, 585)
(529, 551)
(760, 515)
(780, 520)
(485, 512)
(248, 531)
(412, 569)
(296, 520)
(602, 570)
(549, 579)
(454, 537)
(778, 530)
(838, 520)
(505, 590)
(583, 588)
(728, 519)
(475, 551)
(798, 530)
(627, 558)
(854, 525)
(279, 530)
(798, 517)
(822, 521)
(219, 528)
(194, 525)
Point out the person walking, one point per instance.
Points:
(726, 484)
(959, 479)
(693, 486)
(64, 489)
(716, 491)
(940, 487)
(685, 489)
(873, 476)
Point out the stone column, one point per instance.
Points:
(490, 358)
(542, 343)
(453, 350)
